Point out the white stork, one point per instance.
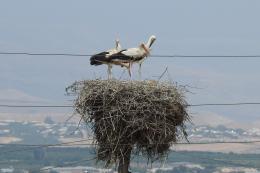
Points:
(148, 45)
(127, 57)
(103, 58)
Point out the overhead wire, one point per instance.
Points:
(32, 146)
(71, 106)
(88, 144)
(67, 164)
(35, 106)
(73, 143)
(224, 104)
(154, 55)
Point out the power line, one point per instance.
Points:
(43, 54)
(87, 160)
(71, 163)
(219, 142)
(36, 106)
(155, 55)
(224, 104)
(68, 164)
(206, 56)
(47, 145)
(32, 147)
(71, 106)
(74, 143)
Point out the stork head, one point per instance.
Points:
(118, 46)
(117, 41)
(150, 41)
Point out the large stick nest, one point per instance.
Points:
(146, 116)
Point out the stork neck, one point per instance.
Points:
(145, 49)
(149, 43)
(118, 46)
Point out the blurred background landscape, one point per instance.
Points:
(182, 28)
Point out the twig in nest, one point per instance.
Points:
(146, 115)
(77, 126)
(166, 70)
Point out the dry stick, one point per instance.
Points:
(127, 105)
(169, 77)
(166, 69)
(70, 117)
(112, 122)
(105, 130)
(77, 126)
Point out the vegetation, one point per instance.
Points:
(24, 158)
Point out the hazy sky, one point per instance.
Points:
(201, 27)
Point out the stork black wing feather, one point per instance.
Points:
(99, 58)
(120, 56)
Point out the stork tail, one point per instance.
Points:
(98, 58)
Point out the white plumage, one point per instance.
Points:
(123, 58)
(129, 56)
(148, 46)
(103, 58)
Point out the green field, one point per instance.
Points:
(34, 158)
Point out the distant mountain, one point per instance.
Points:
(221, 133)
(16, 96)
(51, 132)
